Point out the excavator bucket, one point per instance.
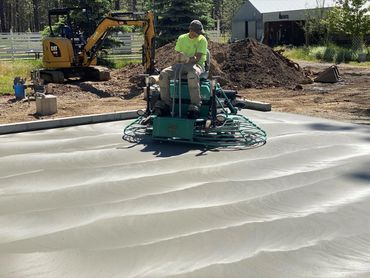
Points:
(330, 75)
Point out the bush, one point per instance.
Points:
(345, 55)
(329, 54)
(319, 55)
(339, 58)
(351, 56)
(102, 60)
(317, 52)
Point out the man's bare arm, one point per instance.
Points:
(195, 59)
(192, 60)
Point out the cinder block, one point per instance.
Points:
(46, 105)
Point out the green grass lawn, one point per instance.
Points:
(323, 54)
(121, 63)
(11, 69)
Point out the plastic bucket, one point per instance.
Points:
(19, 91)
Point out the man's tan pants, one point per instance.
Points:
(192, 72)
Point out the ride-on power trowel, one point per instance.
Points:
(218, 123)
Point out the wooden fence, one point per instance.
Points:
(19, 45)
(28, 45)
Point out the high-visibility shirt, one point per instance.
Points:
(191, 46)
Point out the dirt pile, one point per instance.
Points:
(243, 64)
(249, 64)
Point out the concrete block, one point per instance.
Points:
(46, 105)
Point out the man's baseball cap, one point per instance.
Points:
(197, 27)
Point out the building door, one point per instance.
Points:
(252, 30)
(246, 29)
(284, 32)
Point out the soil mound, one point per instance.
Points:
(250, 64)
(243, 64)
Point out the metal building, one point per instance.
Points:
(276, 21)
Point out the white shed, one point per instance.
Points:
(276, 21)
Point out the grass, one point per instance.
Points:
(323, 54)
(121, 62)
(11, 69)
(298, 53)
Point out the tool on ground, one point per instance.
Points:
(330, 75)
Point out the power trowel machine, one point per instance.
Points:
(218, 123)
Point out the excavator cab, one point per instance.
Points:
(62, 47)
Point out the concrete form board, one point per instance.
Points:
(64, 122)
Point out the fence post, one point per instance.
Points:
(218, 30)
(12, 42)
(28, 34)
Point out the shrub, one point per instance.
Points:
(339, 58)
(329, 54)
(319, 55)
(317, 52)
(345, 55)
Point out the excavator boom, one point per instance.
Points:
(114, 20)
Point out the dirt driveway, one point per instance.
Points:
(347, 101)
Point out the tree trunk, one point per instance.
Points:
(133, 5)
(9, 17)
(36, 15)
(117, 5)
(17, 16)
(2, 16)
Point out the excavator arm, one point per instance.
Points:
(95, 41)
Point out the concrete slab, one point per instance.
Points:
(81, 202)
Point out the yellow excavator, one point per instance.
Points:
(68, 55)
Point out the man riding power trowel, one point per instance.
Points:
(198, 111)
(191, 55)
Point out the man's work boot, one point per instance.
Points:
(161, 108)
(193, 111)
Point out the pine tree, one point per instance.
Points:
(229, 8)
(174, 17)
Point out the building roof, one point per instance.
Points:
(270, 6)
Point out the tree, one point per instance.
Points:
(228, 10)
(217, 9)
(315, 28)
(351, 17)
(2, 16)
(174, 17)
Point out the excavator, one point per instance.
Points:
(69, 55)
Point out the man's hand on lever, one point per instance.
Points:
(183, 59)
